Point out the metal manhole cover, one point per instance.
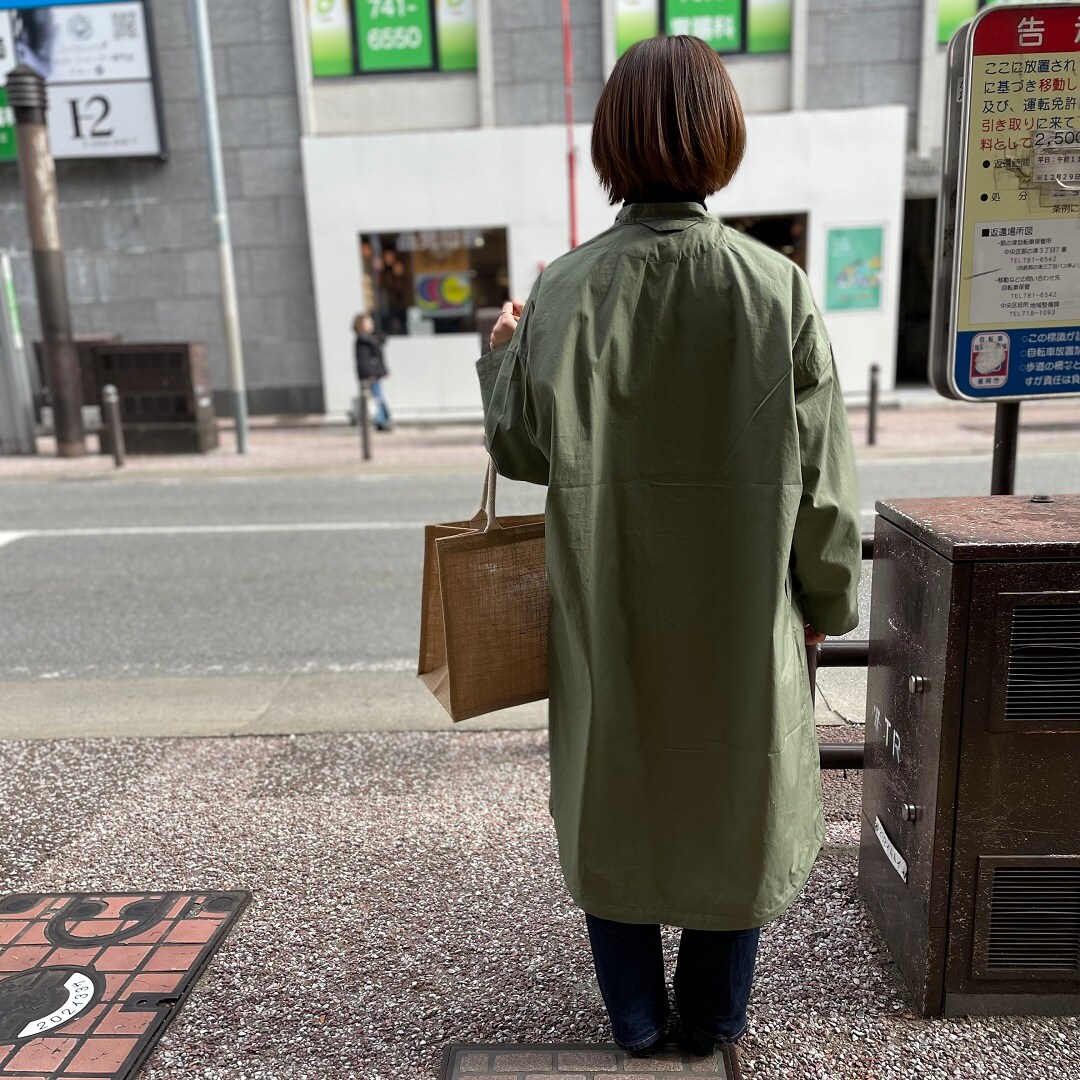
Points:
(572, 1061)
(89, 981)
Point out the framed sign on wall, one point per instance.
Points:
(97, 59)
(729, 26)
(372, 37)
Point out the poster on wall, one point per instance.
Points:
(95, 58)
(729, 26)
(372, 37)
(853, 266)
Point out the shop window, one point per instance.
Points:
(433, 281)
(785, 233)
(729, 26)
(373, 37)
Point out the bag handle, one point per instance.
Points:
(486, 513)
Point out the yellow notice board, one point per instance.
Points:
(1016, 293)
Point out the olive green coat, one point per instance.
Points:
(672, 383)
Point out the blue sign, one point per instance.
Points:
(1019, 362)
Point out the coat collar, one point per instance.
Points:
(663, 216)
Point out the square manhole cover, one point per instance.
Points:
(89, 981)
(568, 1061)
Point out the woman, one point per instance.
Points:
(371, 368)
(672, 383)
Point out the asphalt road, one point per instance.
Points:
(274, 581)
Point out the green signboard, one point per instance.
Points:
(729, 26)
(457, 34)
(7, 129)
(854, 269)
(331, 37)
(719, 22)
(395, 35)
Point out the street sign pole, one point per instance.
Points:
(1006, 320)
(230, 308)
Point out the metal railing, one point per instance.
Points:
(847, 652)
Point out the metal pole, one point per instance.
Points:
(1006, 437)
(364, 421)
(37, 173)
(17, 422)
(110, 416)
(871, 422)
(230, 310)
(568, 92)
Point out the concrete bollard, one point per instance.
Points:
(110, 418)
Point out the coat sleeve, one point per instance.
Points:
(505, 390)
(827, 545)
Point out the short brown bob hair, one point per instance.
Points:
(668, 118)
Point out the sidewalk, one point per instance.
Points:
(407, 894)
(915, 424)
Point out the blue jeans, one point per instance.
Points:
(382, 414)
(712, 980)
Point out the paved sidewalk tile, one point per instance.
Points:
(577, 1061)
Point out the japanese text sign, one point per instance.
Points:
(1014, 330)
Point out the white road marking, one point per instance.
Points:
(217, 530)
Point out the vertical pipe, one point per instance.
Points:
(1006, 438)
(800, 52)
(568, 93)
(17, 422)
(364, 421)
(230, 309)
(485, 63)
(872, 418)
(37, 173)
(110, 409)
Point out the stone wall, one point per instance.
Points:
(140, 246)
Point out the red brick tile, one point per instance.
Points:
(103, 1054)
(173, 958)
(193, 930)
(118, 1022)
(181, 905)
(11, 929)
(114, 986)
(34, 934)
(84, 1022)
(94, 929)
(44, 1054)
(18, 957)
(148, 937)
(121, 957)
(82, 957)
(155, 983)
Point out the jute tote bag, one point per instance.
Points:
(484, 618)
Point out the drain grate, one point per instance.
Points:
(574, 1061)
(89, 981)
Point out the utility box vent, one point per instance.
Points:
(1035, 919)
(1044, 664)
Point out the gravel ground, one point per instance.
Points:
(407, 894)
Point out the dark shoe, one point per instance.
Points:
(691, 1042)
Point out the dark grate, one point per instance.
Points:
(1035, 918)
(1044, 664)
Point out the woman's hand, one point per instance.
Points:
(813, 637)
(507, 324)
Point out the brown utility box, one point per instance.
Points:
(165, 400)
(84, 349)
(969, 859)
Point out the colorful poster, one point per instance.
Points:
(853, 258)
(769, 26)
(330, 29)
(456, 23)
(394, 35)
(718, 22)
(635, 20)
(1017, 285)
(444, 294)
